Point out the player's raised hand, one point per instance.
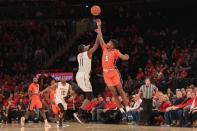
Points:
(98, 22)
(127, 56)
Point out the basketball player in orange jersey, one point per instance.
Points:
(51, 90)
(35, 103)
(58, 92)
(111, 74)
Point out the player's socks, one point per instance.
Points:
(121, 110)
(127, 108)
(46, 123)
(22, 121)
(77, 118)
(60, 122)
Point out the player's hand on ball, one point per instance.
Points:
(98, 22)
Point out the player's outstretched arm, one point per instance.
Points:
(124, 57)
(93, 49)
(48, 88)
(99, 32)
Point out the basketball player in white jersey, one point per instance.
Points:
(83, 75)
(84, 62)
(62, 91)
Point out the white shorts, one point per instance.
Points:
(83, 81)
(60, 101)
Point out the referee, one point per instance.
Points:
(146, 91)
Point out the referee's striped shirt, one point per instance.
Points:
(148, 91)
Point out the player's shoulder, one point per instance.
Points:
(67, 84)
(82, 54)
(32, 85)
(58, 83)
(116, 50)
(104, 46)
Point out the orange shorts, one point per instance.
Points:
(111, 77)
(55, 109)
(35, 104)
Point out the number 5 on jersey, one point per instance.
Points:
(106, 58)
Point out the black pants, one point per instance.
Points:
(147, 110)
(187, 116)
(174, 115)
(111, 116)
(194, 116)
(156, 113)
(69, 114)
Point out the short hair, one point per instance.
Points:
(81, 48)
(147, 78)
(115, 43)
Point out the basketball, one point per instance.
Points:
(95, 10)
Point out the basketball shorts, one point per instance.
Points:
(111, 77)
(83, 81)
(35, 104)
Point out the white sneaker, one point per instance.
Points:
(22, 129)
(22, 121)
(58, 126)
(46, 128)
(47, 124)
(77, 118)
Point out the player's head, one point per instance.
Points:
(35, 80)
(112, 44)
(53, 81)
(63, 79)
(83, 48)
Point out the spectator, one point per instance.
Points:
(135, 109)
(170, 115)
(129, 85)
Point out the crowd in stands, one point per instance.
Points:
(26, 43)
(177, 108)
(158, 51)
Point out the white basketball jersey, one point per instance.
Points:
(62, 90)
(84, 62)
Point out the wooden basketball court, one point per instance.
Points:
(89, 127)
